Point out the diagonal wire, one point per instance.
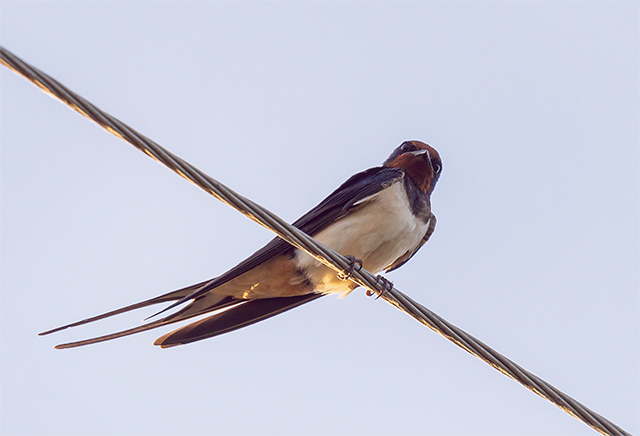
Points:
(304, 242)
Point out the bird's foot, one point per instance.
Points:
(353, 262)
(386, 286)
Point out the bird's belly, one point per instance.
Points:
(378, 233)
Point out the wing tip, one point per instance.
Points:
(159, 342)
(164, 340)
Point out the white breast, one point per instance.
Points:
(378, 233)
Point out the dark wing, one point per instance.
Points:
(341, 201)
(242, 313)
(409, 254)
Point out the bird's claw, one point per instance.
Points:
(386, 286)
(352, 267)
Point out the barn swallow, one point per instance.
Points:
(379, 218)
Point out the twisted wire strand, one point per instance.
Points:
(299, 239)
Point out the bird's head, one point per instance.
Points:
(420, 161)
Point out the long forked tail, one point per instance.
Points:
(171, 296)
(239, 313)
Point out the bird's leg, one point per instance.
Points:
(352, 267)
(386, 286)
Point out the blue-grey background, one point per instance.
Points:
(533, 107)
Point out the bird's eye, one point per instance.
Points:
(406, 146)
(437, 167)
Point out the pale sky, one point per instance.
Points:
(533, 106)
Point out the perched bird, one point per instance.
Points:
(379, 218)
